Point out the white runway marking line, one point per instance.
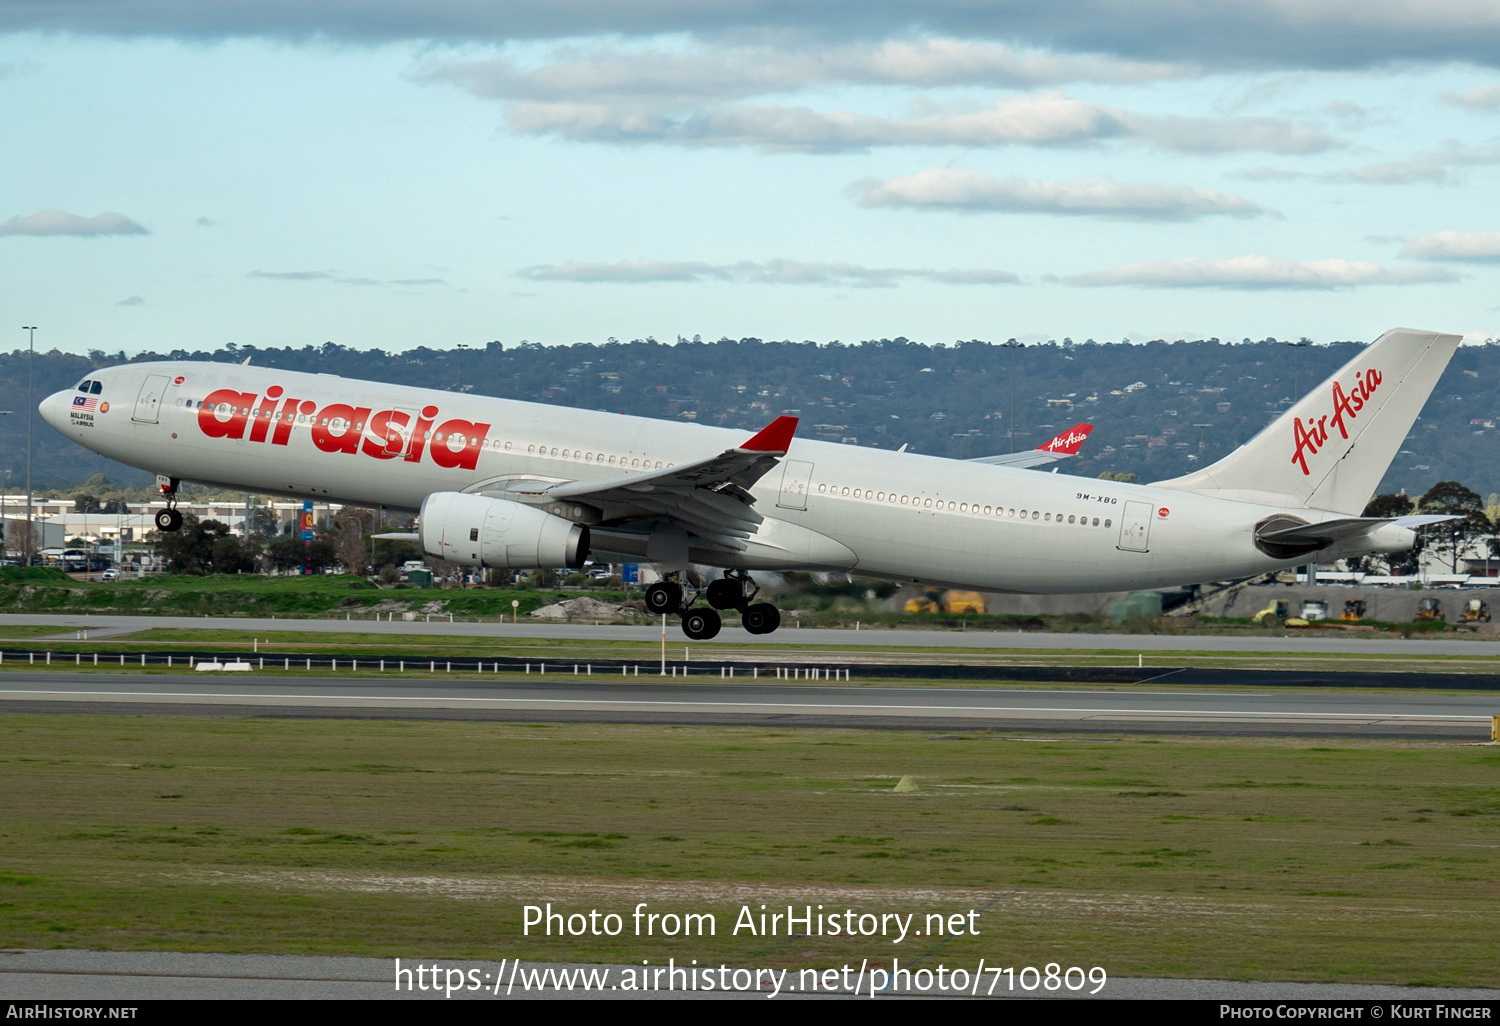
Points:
(749, 706)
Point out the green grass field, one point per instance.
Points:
(1260, 859)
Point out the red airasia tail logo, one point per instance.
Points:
(341, 428)
(1314, 434)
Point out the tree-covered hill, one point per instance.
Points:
(1160, 408)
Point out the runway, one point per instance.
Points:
(100, 627)
(1217, 711)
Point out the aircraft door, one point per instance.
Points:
(398, 435)
(148, 403)
(1135, 526)
(795, 479)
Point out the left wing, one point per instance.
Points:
(1060, 448)
(709, 497)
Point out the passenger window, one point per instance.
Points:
(1023, 514)
(822, 488)
(846, 491)
(1106, 523)
(1096, 521)
(986, 511)
(927, 502)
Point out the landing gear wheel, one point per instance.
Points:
(726, 593)
(663, 597)
(700, 624)
(168, 520)
(761, 618)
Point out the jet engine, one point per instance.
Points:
(478, 531)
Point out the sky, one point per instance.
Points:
(181, 175)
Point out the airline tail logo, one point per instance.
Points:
(1069, 441)
(343, 429)
(1313, 435)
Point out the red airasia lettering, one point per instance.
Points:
(419, 434)
(346, 439)
(341, 428)
(385, 435)
(1346, 407)
(471, 436)
(208, 418)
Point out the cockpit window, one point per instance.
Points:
(97, 388)
(83, 386)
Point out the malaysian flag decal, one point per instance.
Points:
(85, 404)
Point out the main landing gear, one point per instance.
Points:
(168, 519)
(734, 590)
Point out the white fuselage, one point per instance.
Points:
(827, 506)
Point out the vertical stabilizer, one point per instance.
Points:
(1330, 450)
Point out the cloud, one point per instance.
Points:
(1258, 272)
(1431, 166)
(1466, 247)
(1233, 33)
(770, 272)
(131, 301)
(60, 222)
(1481, 97)
(974, 191)
(339, 279)
(674, 77)
(1048, 118)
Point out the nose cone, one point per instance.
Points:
(54, 409)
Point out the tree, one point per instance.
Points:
(1397, 564)
(1455, 536)
(353, 526)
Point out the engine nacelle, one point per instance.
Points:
(478, 531)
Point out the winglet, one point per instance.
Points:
(1070, 441)
(774, 437)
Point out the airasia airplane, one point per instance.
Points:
(515, 485)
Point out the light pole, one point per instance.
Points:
(1012, 345)
(4, 478)
(1201, 444)
(1296, 375)
(461, 348)
(30, 329)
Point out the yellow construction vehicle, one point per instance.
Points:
(1476, 611)
(928, 603)
(1430, 609)
(963, 602)
(937, 601)
(1279, 611)
(1354, 611)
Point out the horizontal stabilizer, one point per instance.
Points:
(1288, 537)
(406, 536)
